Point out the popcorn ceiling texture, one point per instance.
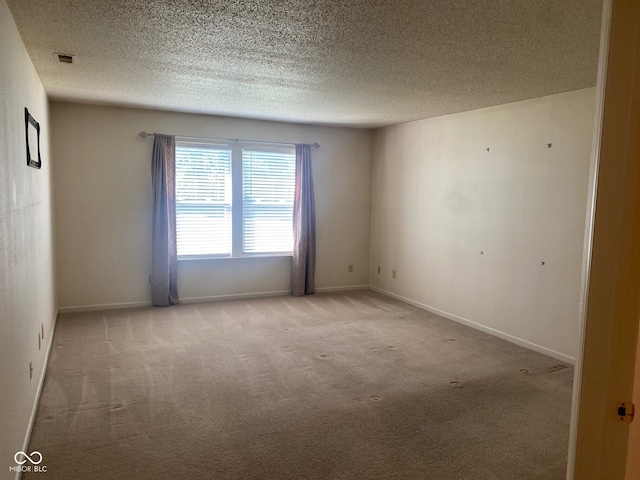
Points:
(356, 63)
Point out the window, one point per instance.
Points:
(203, 200)
(233, 201)
(268, 183)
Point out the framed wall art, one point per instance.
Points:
(32, 130)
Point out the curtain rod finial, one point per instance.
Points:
(316, 145)
(143, 134)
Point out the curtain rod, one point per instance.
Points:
(235, 140)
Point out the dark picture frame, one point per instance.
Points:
(30, 122)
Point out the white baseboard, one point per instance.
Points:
(104, 306)
(34, 409)
(492, 331)
(277, 293)
(211, 298)
(234, 296)
(345, 288)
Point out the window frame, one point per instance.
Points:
(209, 145)
(269, 149)
(237, 214)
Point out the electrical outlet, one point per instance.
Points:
(378, 269)
(350, 268)
(393, 274)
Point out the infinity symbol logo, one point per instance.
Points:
(27, 457)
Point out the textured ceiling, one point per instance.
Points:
(351, 62)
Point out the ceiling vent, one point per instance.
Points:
(65, 57)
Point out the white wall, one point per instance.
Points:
(440, 199)
(27, 288)
(103, 196)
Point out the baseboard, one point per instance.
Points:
(34, 409)
(346, 288)
(211, 298)
(240, 296)
(234, 296)
(277, 293)
(492, 331)
(104, 306)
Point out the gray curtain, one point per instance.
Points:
(304, 226)
(164, 289)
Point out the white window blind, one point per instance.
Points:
(268, 184)
(203, 200)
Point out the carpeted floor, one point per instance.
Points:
(349, 385)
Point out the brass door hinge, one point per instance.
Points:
(625, 412)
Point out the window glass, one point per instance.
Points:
(203, 200)
(268, 183)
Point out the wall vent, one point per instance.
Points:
(65, 57)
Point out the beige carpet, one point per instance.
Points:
(332, 386)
